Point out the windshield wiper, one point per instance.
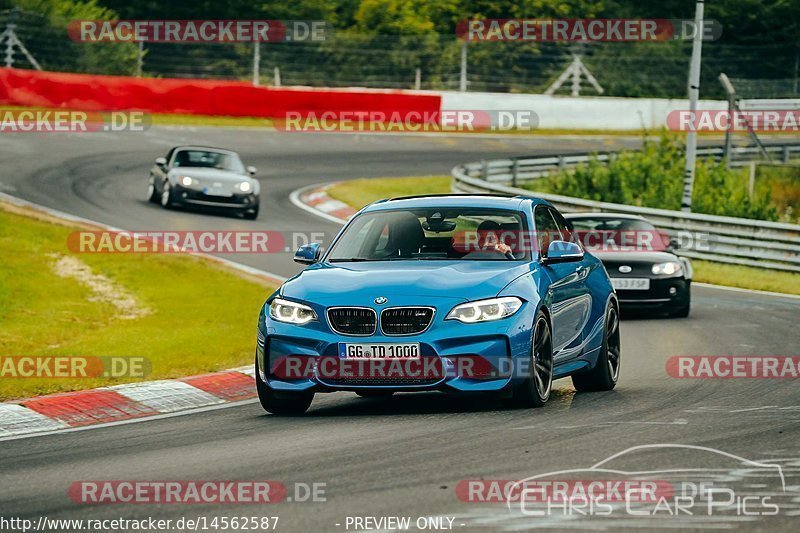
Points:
(351, 260)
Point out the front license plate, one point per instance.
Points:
(213, 191)
(406, 351)
(630, 284)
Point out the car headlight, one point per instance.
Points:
(245, 186)
(186, 181)
(485, 310)
(669, 268)
(291, 312)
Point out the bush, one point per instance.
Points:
(653, 177)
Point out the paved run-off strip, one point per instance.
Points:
(124, 402)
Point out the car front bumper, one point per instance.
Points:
(468, 357)
(199, 198)
(666, 293)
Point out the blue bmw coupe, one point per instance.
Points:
(457, 293)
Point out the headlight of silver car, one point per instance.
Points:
(485, 310)
(667, 269)
(291, 312)
(186, 181)
(245, 186)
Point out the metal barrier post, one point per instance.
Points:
(256, 63)
(514, 172)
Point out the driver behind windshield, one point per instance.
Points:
(490, 242)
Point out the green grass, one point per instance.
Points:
(782, 185)
(746, 277)
(203, 315)
(206, 120)
(360, 192)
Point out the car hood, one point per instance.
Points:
(634, 256)
(402, 282)
(208, 174)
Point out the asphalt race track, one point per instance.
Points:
(103, 176)
(405, 456)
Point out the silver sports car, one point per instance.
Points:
(204, 177)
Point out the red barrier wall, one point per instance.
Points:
(201, 97)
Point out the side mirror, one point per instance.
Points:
(161, 161)
(675, 244)
(562, 252)
(307, 254)
(251, 170)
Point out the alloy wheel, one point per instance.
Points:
(542, 358)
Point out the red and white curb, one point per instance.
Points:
(315, 200)
(124, 402)
(130, 402)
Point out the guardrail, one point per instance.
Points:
(771, 245)
(519, 169)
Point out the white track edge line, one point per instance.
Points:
(749, 291)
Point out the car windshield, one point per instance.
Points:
(602, 233)
(208, 159)
(464, 234)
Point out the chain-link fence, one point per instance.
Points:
(430, 61)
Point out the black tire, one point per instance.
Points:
(166, 195)
(605, 374)
(152, 195)
(283, 404)
(535, 390)
(374, 393)
(683, 311)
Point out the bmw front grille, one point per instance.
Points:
(394, 321)
(406, 320)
